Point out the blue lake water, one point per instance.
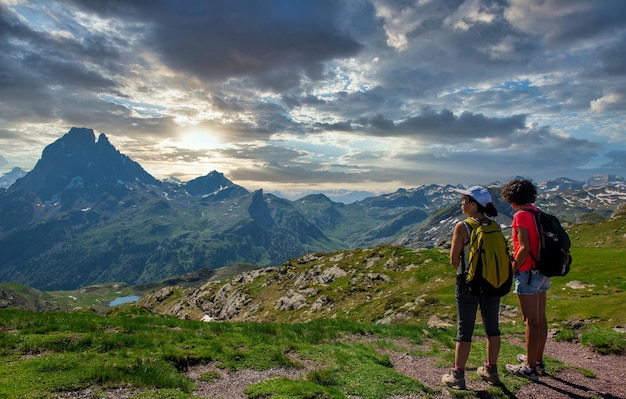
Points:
(124, 299)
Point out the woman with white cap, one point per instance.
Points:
(476, 204)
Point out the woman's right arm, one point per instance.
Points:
(523, 251)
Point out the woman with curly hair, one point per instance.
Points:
(530, 286)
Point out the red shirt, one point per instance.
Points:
(526, 220)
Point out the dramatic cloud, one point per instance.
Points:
(295, 95)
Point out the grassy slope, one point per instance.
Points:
(599, 255)
(420, 284)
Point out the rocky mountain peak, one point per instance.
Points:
(259, 210)
(208, 184)
(103, 140)
(77, 160)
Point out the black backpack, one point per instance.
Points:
(554, 258)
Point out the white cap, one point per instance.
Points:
(478, 193)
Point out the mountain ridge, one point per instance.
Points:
(87, 214)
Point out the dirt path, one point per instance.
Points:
(609, 382)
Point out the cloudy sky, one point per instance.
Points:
(322, 95)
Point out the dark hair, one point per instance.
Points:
(519, 192)
(489, 210)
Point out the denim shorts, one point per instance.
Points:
(538, 283)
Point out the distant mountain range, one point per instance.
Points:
(7, 179)
(87, 214)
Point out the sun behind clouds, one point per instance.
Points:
(198, 139)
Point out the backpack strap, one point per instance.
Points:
(470, 225)
(475, 223)
(536, 219)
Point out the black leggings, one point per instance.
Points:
(466, 307)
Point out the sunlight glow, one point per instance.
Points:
(197, 139)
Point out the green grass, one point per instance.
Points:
(604, 341)
(53, 352)
(603, 297)
(282, 388)
(46, 353)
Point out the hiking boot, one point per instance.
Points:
(489, 374)
(541, 366)
(522, 370)
(455, 379)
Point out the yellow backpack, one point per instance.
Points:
(488, 272)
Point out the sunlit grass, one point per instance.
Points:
(44, 353)
(604, 341)
(54, 352)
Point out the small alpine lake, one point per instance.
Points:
(124, 299)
